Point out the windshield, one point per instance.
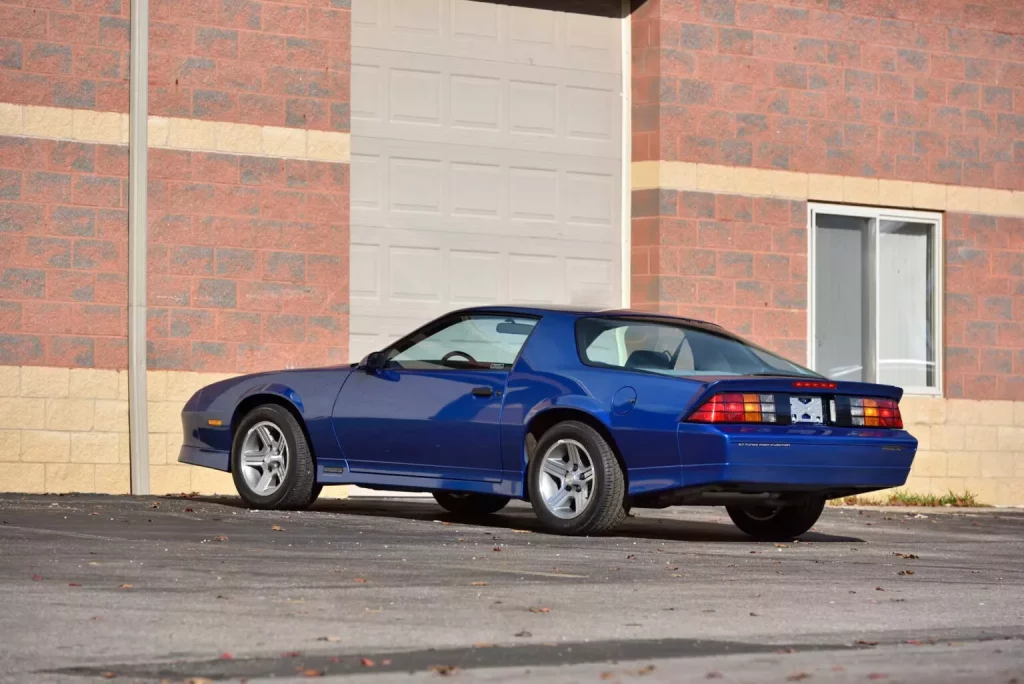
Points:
(674, 349)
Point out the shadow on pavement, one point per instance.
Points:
(518, 516)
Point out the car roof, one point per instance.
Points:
(585, 311)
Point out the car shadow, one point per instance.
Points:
(643, 524)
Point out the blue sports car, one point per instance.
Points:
(583, 413)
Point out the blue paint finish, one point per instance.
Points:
(425, 430)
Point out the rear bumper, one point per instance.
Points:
(799, 456)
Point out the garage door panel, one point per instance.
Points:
(486, 161)
(486, 31)
(485, 104)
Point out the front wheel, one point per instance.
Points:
(469, 504)
(777, 523)
(271, 462)
(576, 484)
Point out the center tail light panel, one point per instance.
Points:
(795, 408)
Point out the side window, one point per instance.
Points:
(467, 342)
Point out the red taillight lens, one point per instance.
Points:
(736, 408)
(869, 412)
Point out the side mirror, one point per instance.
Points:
(374, 361)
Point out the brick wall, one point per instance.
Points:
(921, 91)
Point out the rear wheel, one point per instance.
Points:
(470, 504)
(576, 484)
(771, 523)
(271, 462)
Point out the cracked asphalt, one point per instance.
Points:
(96, 588)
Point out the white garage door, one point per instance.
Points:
(486, 161)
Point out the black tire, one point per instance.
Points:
(298, 488)
(470, 504)
(606, 509)
(783, 524)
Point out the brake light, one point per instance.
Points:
(814, 384)
(736, 408)
(869, 412)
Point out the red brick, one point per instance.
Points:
(285, 19)
(22, 22)
(168, 354)
(196, 324)
(213, 356)
(71, 351)
(99, 319)
(771, 267)
(111, 288)
(46, 317)
(779, 323)
(112, 160)
(238, 326)
(97, 191)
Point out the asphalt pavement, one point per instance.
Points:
(147, 589)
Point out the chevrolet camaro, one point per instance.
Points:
(582, 413)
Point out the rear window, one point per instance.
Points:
(674, 349)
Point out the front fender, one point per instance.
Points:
(277, 390)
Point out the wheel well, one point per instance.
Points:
(545, 420)
(256, 400)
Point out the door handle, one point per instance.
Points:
(482, 392)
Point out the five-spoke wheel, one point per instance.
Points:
(271, 462)
(567, 478)
(264, 458)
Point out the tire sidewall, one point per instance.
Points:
(283, 421)
(596, 447)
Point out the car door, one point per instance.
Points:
(434, 408)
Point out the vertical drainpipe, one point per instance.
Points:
(138, 143)
(627, 155)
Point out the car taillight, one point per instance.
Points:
(736, 408)
(868, 412)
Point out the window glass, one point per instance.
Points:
(874, 289)
(468, 342)
(673, 349)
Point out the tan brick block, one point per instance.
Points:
(964, 412)
(157, 131)
(923, 434)
(678, 175)
(45, 446)
(181, 385)
(94, 447)
(942, 485)
(962, 198)
(111, 415)
(113, 479)
(284, 142)
(47, 122)
(789, 184)
(646, 175)
(170, 479)
(928, 196)
(1010, 492)
(714, 178)
(751, 181)
(984, 488)
(24, 413)
(239, 138)
(893, 193)
(998, 202)
(91, 126)
(10, 446)
(963, 464)
(191, 134)
(981, 437)
(997, 412)
(165, 416)
(328, 146)
(25, 478)
(174, 441)
(70, 477)
(124, 448)
(948, 437)
(860, 190)
(824, 187)
(126, 129)
(10, 381)
(122, 385)
(1011, 439)
(336, 492)
(1018, 413)
(92, 383)
(10, 119)
(156, 385)
(157, 448)
(1017, 203)
(210, 481)
(1018, 464)
(918, 484)
(70, 414)
(997, 464)
(40, 381)
(930, 464)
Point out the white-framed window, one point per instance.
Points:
(875, 296)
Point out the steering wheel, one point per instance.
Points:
(458, 353)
